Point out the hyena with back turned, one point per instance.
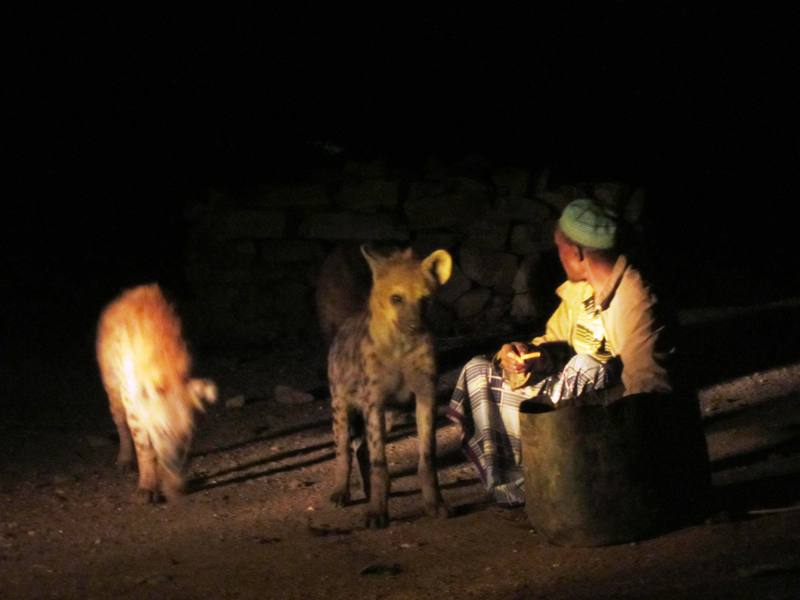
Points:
(145, 365)
(383, 353)
(342, 289)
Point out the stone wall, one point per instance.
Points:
(254, 252)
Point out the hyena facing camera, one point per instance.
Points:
(145, 368)
(383, 353)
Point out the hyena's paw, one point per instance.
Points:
(175, 494)
(124, 460)
(377, 520)
(124, 466)
(340, 497)
(144, 497)
(438, 509)
(175, 499)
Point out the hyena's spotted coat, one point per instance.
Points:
(144, 364)
(383, 353)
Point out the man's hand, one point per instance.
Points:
(510, 357)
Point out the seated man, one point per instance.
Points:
(608, 326)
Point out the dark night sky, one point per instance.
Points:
(116, 117)
(639, 89)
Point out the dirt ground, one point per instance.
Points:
(257, 523)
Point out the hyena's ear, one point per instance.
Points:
(440, 264)
(373, 260)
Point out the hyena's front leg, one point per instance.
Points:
(171, 469)
(148, 466)
(341, 440)
(426, 434)
(172, 483)
(146, 460)
(378, 512)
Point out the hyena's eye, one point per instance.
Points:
(396, 299)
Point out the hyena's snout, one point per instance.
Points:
(413, 319)
(203, 390)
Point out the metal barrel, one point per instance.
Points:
(597, 475)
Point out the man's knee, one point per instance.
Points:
(584, 363)
(589, 369)
(478, 361)
(478, 368)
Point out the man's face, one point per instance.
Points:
(570, 257)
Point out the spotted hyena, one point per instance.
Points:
(145, 365)
(385, 353)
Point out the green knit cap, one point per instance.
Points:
(588, 224)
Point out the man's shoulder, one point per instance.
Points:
(637, 288)
(633, 281)
(574, 291)
(636, 292)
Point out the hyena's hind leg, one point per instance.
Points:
(125, 454)
(361, 450)
(426, 437)
(341, 440)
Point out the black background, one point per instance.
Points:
(116, 120)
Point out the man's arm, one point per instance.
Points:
(558, 326)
